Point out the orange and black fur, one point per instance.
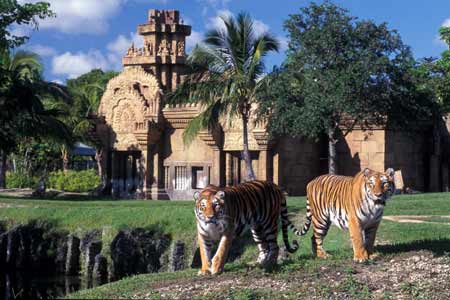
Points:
(223, 214)
(353, 203)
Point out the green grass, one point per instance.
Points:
(177, 219)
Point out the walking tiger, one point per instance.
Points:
(223, 214)
(354, 203)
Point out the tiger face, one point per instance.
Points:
(379, 186)
(210, 206)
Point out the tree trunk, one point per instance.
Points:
(101, 172)
(246, 152)
(332, 152)
(2, 169)
(65, 158)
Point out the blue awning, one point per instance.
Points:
(82, 150)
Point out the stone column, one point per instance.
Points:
(114, 174)
(265, 164)
(216, 167)
(275, 162)
(229, 168)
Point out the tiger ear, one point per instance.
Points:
(221, 195)
(390, 172)
(196, 195)
(366, 172)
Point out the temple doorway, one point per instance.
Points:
(127, 175)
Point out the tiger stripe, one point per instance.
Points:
(353, 203)
(227, 212)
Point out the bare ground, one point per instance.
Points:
(413, 275)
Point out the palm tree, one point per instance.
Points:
(225, 76)
(23, 109)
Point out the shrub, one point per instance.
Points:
(20, 180)
(74, 181)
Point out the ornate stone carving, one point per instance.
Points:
(131, 99)
(164, 48)
(180, 49)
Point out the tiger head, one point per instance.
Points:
(379, 186)
(210, 205)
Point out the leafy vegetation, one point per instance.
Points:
(24, 109)
(20, 180)
(74, 181)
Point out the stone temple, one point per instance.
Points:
(143, 152)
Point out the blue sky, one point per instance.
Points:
(90, 34)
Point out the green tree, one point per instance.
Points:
(226, 70)
(23, 109)
(86, 91)
(340, 73)
(11, 12)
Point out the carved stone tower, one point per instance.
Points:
(164, 51)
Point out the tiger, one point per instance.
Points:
(353, 203)
(224, 213)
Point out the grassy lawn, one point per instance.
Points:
(176, 217)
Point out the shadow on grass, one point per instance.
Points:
(438, 247)
(69, 197)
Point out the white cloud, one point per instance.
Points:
(80, 16)
(446, 23)
(75, 64)
(41, 50)
(122, 43)
(194, 39)
(217, 22)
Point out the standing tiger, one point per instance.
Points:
(223, 214)
(354, 203)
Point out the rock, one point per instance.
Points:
(137, 251)
(61, 255)
(100, 270)
(73, 255)
(88, 238)
(3, 248)
(15, 252)
(93, 249)
(176, 261)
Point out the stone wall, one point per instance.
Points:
(380, 149)
(295, 163)
(181, 158)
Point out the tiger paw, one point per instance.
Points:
(361, 258)
(216, 271)
(323, 254)
(204, 272)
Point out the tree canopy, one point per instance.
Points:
(340, 73)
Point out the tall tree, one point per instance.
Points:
(86, 91)
(340, 73)
(226, 69)
(23, 109)
(11, 12)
